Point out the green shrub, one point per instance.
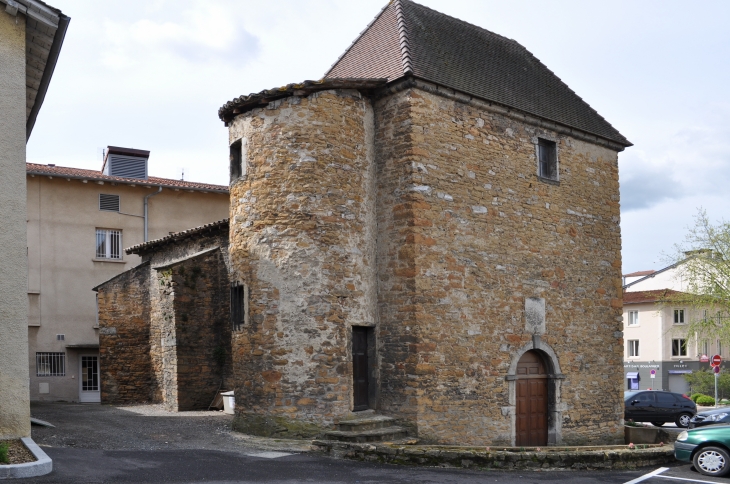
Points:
(705, 401)
(4, 446)
(694, 397)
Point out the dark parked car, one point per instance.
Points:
(708, 448)
(710, 417)
(658, 407)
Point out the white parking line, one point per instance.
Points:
(688, 480)
(648, 476)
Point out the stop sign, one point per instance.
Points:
(716, 360)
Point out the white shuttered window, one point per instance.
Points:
(108, 244)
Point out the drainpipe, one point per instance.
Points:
(146, 218)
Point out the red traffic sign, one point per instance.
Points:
(716, 360)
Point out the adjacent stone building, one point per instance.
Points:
(164, 332)
(431, 232)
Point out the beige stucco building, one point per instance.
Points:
(79, 222)
(655, 333)
(31, 35)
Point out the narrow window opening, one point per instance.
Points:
(236, 160)
(239, 305)
(547, 159)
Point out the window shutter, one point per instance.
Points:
(109, 203)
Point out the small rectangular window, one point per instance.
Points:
(679, 347)
(705, 347)
(236, 164)
(547, 156)
(633, 318)
(239, 305)
(719, 347)
(679, 316)
(50, 364)
(633, 347)
(108, 244)
(109, 203)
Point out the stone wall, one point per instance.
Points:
(444, 189)
(202, 330)
(164, 325)
(468, 232)
(302, 238)
(124, 338)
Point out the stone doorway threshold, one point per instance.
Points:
(42, 465)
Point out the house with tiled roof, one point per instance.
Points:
(79, 222)
(655, 331)
(426, 242)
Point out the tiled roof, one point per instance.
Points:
(245, 103)
(409, 39)
(640, 273)
(652, 296)
(153, 181)
(152, 244)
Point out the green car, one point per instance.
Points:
(708, 448)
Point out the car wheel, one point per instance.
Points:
(712, 461)
(658, 424)
(683, 420)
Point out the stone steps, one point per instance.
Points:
(367, 428)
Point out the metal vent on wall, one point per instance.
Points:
(127, 166)
(109, 202)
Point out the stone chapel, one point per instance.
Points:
(429, 233)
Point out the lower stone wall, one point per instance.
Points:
(124, 346)
(202, 328)
(566, 458)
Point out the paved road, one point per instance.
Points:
(102, 444)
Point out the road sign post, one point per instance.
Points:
(716, 362)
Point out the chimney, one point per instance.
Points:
(125, 162)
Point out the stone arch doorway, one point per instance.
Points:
(531, 392)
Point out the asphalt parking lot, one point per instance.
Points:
(144, 444)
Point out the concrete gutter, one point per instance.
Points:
(546, 458)
(42, 466)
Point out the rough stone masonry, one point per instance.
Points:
(421, 215)
(413, 232)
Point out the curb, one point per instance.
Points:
(572, 458)
(42, 466)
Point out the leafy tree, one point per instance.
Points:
(703, 381)
(703, 267)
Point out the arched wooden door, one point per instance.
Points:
(532, 401)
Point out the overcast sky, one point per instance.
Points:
(152, 75)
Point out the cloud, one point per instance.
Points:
(203, 34)
(694, 162)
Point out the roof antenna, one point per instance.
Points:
(182, 177)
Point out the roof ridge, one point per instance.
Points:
(359, 36)
(405, 47)
(474, 26)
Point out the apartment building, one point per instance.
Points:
(78, 224)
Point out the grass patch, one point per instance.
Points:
(4, 447)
